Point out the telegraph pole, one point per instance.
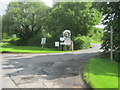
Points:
(111, 41)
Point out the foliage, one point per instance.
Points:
(96, 34)
(78, 17)
(117, 55)
(24, 19)
(111, 12)
(81, 42)
(13, 40)
(50, 42)
(9, 39)
(35, 40)
(31, 21)
(5, 36)
(101, 73)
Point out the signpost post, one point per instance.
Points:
(62, 43)
(111, 36)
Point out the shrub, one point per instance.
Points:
(35, 40)
(117, 55)
(11, 39)
(81, 42)
(50, 42)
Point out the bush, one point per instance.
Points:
(117, 55)
(81, 42)
(50, 42)
(13, 40)
(35, 40)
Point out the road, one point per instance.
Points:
(53, 70)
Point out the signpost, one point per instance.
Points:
(67, 41)
(57, 45)
(62, 42)
(43, 41)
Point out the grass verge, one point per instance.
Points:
(101, 73)
(96, 42)
(6, 47)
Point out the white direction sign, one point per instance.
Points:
(67, 41)
(62, 38)
(56, 44)
(43, 40)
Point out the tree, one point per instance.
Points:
(111, 12)
(78, 17)
(24, 19)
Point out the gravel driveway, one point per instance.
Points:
(53, 70)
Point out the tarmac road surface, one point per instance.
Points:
(53, 70)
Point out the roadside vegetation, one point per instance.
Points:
(101, 73)
(111, 13)
(24, 24)
(10, 48)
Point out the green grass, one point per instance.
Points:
(6, 47)
(101, 73)
(96, 42)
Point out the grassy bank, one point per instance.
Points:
(6, 47)
(96, 42)
(101, 73)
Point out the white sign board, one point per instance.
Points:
(67, 41)
(67, 34)
(43, 40)
(62, 43)
(56, 44)
(62, 38)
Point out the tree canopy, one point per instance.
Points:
(79, 17)
(30, 20)
(24, 19)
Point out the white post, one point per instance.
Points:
(42, 45)
(72, 45)
(111, 40)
